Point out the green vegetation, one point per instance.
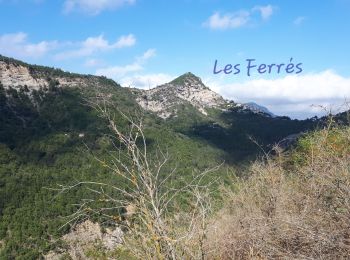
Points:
(181, 80)
(42, 71)
(236, 133)
(41, 148)
(293, 206)
(50, 136)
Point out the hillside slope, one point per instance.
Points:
(49, 132)
(295, 206)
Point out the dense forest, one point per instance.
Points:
(53, 135)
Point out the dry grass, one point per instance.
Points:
(295, 206)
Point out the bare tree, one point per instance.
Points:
(155, 227)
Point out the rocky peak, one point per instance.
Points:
(188, 80)
(186, 89)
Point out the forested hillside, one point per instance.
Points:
(51, 134)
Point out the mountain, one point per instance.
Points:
(255, 108)
(50, 135)
(164, 100)
(190, 107)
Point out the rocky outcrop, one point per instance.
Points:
(16, 75)
(84, 237)
(186, 89)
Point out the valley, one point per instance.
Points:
(51, 135)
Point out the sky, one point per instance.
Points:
(143, 44)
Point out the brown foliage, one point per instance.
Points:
(297, 212)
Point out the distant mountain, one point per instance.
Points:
(255, 108)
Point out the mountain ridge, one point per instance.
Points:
(188, 88)
(163, 100)
(16, 74)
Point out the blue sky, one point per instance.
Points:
(145, 43)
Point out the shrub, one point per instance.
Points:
(294, 207)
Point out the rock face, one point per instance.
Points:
(186, 89)
(189, 89)
(84, 237)
(16, 75)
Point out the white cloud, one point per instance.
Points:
(94, 7)
(17, 45)
(292, 95)
(125, 41)
(299, 20)
(150, 53)
(227, 21)
(118, 72)
(96, 44)
(265, 11)
(146, 81)
(238, 19)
